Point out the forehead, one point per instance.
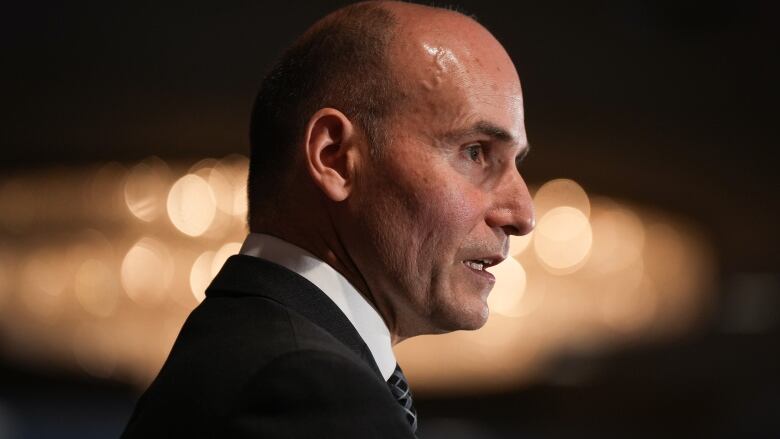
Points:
(455, 73)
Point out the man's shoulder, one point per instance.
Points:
(252, 328)
(259, 296)
(231, 349)
(227, 339)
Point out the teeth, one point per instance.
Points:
(477, 265)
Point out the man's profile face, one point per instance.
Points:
(445, 193)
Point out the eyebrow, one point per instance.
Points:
(488, 129)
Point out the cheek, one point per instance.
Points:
(465, 207)
(462, 205)
(453, 212)
(429, 213)
(425, 224)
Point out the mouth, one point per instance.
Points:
(479, 266)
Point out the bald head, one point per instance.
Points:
(366, 60)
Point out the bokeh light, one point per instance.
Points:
(563, 239)
(144, 189)
(6, 273)
(618, 238)
(224, 252)
(223, 190)
(207, 265)
(203, 167)
(519, 244)
(240, 205)
(594, 271)
(103, 197)
(191, 205)
(147, 271)
(45, 278)
(561, 192)
(236, 167)
(200, 275)
(509, 288)
(96, 288)
(630, 309)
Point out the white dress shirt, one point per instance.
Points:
(356, 308)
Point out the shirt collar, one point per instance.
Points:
(356, 308)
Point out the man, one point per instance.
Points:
(383, 182)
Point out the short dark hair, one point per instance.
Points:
(342, 63)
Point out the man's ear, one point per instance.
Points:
(329, 150)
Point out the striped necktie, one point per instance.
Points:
(400, 389)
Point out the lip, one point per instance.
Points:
(481, 273)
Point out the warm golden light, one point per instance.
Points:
(595, 272)
(144, 190)
(18, 208)
(223, 190)
(5, 279)
(509, 288)
(632, 308)
(561, 192)
(104, 194)
(191, 205)
(224, 252)
(96, 288)
(207, 265)
(235, 167)
(562, 239)
(200, 275)
(44, 281)
(147, 271)
(519, 244)
(240, 206)
(618, 239)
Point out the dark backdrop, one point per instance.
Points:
(670, 104)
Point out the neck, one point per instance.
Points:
(320, 237)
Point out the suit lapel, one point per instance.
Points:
(249, 276)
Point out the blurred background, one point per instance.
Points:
(645, 303)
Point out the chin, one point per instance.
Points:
(476, 323)
(464, 319)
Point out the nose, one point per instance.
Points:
(512, 208)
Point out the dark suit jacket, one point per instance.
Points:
(267, 355)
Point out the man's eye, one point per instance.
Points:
(475, 152)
